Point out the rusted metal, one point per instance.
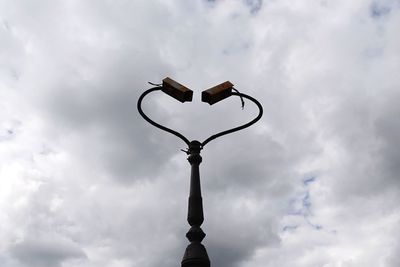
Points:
(177, 90)
(217, 93)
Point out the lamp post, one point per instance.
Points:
(195, 253)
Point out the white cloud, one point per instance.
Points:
(84, 181)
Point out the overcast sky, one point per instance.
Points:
(86, 182)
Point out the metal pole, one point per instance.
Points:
(195, 253)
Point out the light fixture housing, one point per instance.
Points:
(177, 90)
(217, 93)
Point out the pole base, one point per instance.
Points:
(195, 256)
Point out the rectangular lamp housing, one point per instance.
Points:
(217, 93)
(177, 90)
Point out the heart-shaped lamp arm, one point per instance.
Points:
(210, 96)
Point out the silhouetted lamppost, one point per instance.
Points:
(196, 254)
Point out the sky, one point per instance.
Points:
(85, 181)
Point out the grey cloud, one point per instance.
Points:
(234, 233)
(387, 128)
(254, 5)
(97, 93)
(46, 252)
(365, 130)
(379, 10)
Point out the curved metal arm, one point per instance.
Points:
(239, 127)
(183, 138)
(139, 107)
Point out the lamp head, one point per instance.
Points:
(217, 93)
(176, 90)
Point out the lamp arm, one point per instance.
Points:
(260, 113)
(139, 107)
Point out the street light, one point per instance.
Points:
(195, 253)
(176, 90)
(217, 93)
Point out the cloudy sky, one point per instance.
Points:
(86, 182)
